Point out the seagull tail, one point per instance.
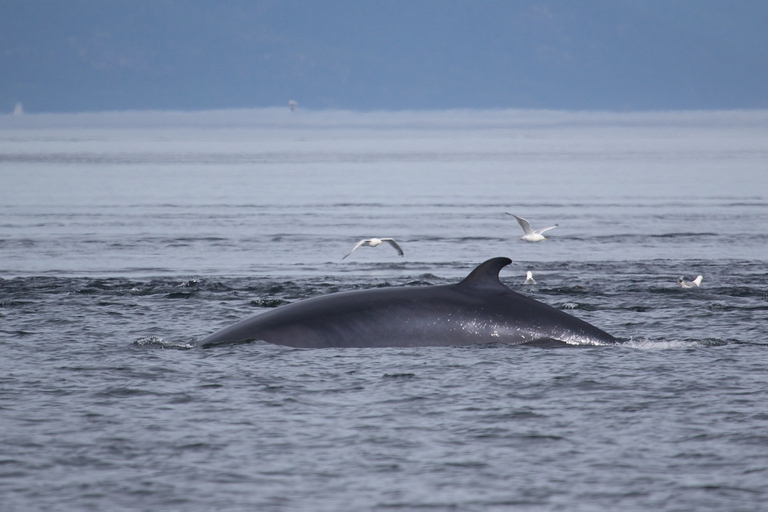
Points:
(697, 281)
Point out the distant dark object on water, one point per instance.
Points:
(478, 310)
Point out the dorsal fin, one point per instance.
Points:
(486, 275)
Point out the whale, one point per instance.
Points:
(477, 310)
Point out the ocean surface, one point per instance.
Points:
(126, 237)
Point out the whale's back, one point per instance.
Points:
(478, 310)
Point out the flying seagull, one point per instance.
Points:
(529, 278)
(373, 242)
(689, 284)
(531, 235)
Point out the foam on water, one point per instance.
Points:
(156, 342)
(662, 344)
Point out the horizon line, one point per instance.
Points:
(277, 117)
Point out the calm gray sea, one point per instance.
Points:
(126, 237)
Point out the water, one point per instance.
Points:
(124, 238)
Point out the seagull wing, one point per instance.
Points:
(393, 244)
(540, 231)
(523, 223)
(358, 244)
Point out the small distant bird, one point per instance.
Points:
(373, 242)
(529, 278)
(531, 235)
(689, 284)
(292, 104)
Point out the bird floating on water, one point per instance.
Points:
(689, 284)
(292, 104)
(529, 278)
(531, 235)
(373, 242)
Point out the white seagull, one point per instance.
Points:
(373, 242)
(689, 284)
(529, 278)
(531, 235)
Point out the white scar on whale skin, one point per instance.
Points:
(531, 235)
(373, 242)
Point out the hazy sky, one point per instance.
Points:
(86, 55)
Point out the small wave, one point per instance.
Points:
(18, 333)
(180, 295)
(157, 342)
(418, 283)
(682, 235)
(14, 303)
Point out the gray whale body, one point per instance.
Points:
(479, 309)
